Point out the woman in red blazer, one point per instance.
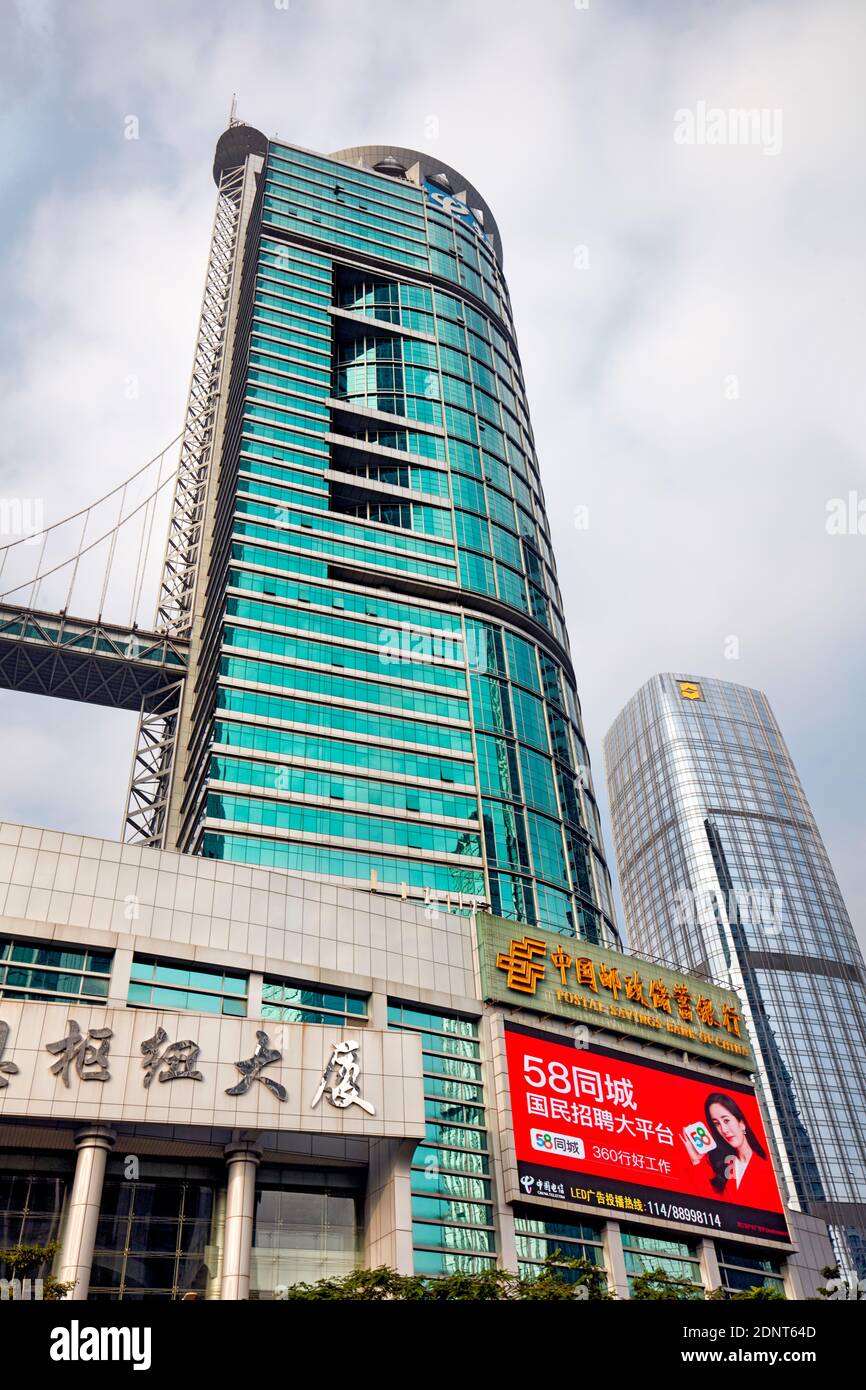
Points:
(741, 1172)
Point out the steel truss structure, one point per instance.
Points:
(183, 546)
(100, 663)
(154, 761)
(121, 666)
(152, 767)
(93, 662)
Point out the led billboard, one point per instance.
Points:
(599, 1127)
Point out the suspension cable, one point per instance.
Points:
(73, 516)
(143, 552)
(140, 562)
(78, 555)
(111, 550)
(112, 531)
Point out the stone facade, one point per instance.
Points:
(67, 891)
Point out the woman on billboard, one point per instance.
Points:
(736, 1157)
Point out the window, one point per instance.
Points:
(294, 1002)
(32, 1193)
(476, 572)
(497, 764)
(741, 1268)
(51, 974)
(521, 660)
(375, 830)
(547, 853)
(453, 1229)
(163, 985)
(555, 910)
(537, 1239)
(678, 1259)
(512, 897)
(505, 835)
(529, 718)
(156, 1238)
(490, 704)
(306, 1227)
(344, 864)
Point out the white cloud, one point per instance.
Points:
(707, 514)
(63, 764)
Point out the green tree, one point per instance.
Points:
(766, 1293)
(487, 1286)
(585, 1281)
(588, 1281)
(855, 1290)
(22, 1260)
(361, 1285)
(827, 1273)
(656, 1285)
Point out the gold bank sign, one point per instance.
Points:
(569, 978)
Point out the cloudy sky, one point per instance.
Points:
(688, 313)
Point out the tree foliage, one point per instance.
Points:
(22, 1260)
(559, 1278)
(836, 1286)
(759, 1293)
(654, 1285)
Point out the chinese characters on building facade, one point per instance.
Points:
(87, 1056)
(541, 970)
(523, 969)
(264, 1056)
(340, 1077)
(9, 1068)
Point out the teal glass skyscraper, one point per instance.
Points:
(381, 692)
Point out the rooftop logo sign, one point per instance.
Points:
(454, 207)
(690, 690)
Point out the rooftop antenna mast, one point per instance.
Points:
(233, 113)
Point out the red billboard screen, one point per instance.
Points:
(594, 1126)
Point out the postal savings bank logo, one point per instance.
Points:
(525, 964)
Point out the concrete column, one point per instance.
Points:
(214, 1248)
(76, 1257)
(711, 1275)
(508, 1258)
(388, 1208)
(378, 1011)
(814, 1252)
(500, 1134)
(121, 970)
(254, 995)
(242, 1159)
(614, 1260)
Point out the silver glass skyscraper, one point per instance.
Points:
(723, 870)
